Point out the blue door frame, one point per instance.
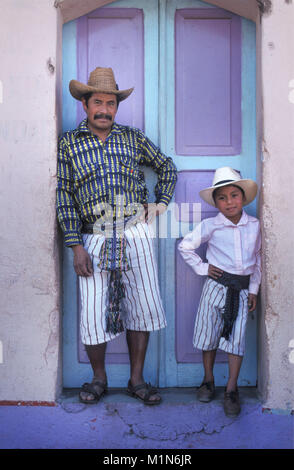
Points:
(161, 365)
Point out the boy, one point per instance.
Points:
(234, 275)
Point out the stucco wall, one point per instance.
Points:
(29, 275)
(276, 371)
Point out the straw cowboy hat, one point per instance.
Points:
(225, 176)
(101, 80)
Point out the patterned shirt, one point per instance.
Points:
(91, 172)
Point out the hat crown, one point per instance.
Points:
(225, 174)
(102, 78)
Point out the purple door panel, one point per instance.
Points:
(188, 186)
(114, 37)
(188, 284)
(208, 61)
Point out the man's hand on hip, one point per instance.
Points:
(82, 261)
(153, 210)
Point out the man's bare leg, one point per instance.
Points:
(96, 355)
(137, 344)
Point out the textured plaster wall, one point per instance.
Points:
(276, 364)
(29, 273)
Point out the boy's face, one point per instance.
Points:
(229, 201)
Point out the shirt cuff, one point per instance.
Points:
(73, 238)
(164, 199)
(203, 269)
(253, 288)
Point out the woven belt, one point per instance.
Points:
(109, 226)
(89, 228)
(235, 283)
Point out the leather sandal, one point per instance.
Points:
(149, 392)
(92, 389)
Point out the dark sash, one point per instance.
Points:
(235, 284)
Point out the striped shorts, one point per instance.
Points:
(209, 321)
(142, 297)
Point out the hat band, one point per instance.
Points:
(224, 181)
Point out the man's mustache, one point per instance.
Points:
(103, 116)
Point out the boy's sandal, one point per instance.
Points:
(149, 392)
(92, 389)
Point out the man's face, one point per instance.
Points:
(101, 111)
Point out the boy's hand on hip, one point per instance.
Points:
(214, 272)
(82, 261)
(252, 300)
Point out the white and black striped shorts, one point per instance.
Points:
(142, 297)
(209, 321)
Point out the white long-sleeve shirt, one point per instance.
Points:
(233, 248)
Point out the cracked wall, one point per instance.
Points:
(276, 372)
(29, 280)
(265, 6)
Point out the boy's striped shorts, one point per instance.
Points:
(142, 297)
(209, 322)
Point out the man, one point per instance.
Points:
(100, 192)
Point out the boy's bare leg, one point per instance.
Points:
(208, 358)
(96, 355)
(235, 363)
(231, 399)
(205, 392)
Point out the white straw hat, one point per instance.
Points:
(225, 176)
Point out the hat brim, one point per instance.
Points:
(78, 90)
(249, 187)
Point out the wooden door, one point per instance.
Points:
(193, 67)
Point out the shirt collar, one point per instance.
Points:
(220, 219)
(84, 129)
